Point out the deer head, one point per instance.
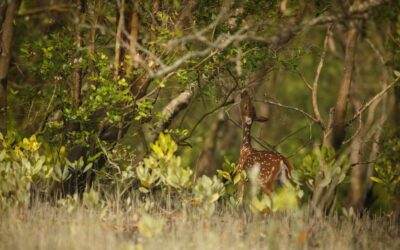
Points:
(247, 110)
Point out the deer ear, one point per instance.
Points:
(261, 119)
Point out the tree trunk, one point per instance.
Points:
(5, 57)
(119, 43)
(358, 170)
(395, 34)
(77, 74)
(207, 164)
(134, 31)
(338, 126)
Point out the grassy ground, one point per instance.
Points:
(49, 227)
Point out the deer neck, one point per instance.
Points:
(246, 138)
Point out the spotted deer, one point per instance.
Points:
(271, 164)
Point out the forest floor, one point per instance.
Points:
(67, 227)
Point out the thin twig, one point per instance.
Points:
(357, 131)
(226, 102)
(47, 114)
(262, 143)
(314, 90)
(304, 79)
(372, 100)
(376, 50)
(107, 156)
(290, 135)
(292, 108)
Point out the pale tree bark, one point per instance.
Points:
(172, 109)
(5, 57)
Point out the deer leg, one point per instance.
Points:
(268, 189)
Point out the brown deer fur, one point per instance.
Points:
(270, 163)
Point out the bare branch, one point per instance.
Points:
(304, 79)
(225, 103)
(114, 164)
(314, 89)
(372, 100)
(354, 12)
(174, 107)
(357, 131)
(39, 10)
(376, 50)
(220, 43)
(48, 111)
(291, 108)
(361, 8)
(262, 143)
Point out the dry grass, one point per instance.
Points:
(48, 227)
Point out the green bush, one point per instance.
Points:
(387, 174)
(163, 168)
(22, 167)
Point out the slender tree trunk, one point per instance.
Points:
(94, 20)
(134, 23)
(338, 126)
(269, 88)
(395, 34)
(358, 170)
(118, 38)
(207, 164)
(5, 57)
(77, 74)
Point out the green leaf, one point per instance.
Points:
(376, 179)
(224, 174)
(88, 166)
(237, 178)
(38, 165)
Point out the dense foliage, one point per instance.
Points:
(139, 99)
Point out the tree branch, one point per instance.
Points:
(39, 10)
(314, 89)
(372, 100)
(174, 107)
(291, 108)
